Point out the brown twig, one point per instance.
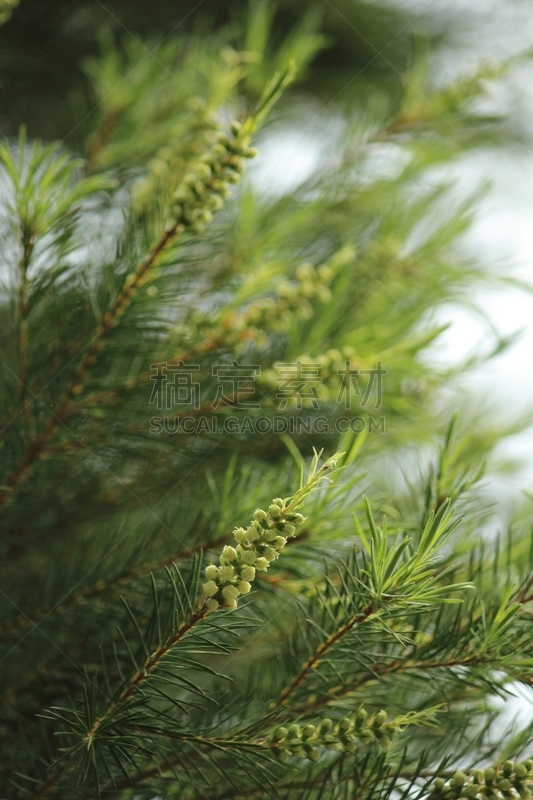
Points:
(110, 319)
(321, 651)
(127, 693)
(22, 621)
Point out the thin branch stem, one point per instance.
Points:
(28, 245)
(146, 670)
(110, 319)
(321, 651)
(398, 666)
(127, 693)
(101, 587)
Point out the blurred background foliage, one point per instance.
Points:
(42, 82)
(350, 256)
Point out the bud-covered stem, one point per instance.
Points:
(503, 782)
(200, 193)
(348, 735)
(261, 543)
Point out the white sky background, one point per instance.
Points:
(502, 235)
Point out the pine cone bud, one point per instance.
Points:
(308, 731)
(236, 163)
(380, 719)
(288, 529)
(230, 593)
(294, 731)
(228, 554)
(239, 535)
(251, 533)
(279, 734)
(211, 572)
(203, 170)
(220, 187)
(218, 151)
(226, 573)
(458, 780)
(215, 202)
(210, 588)
(296, 518)
(248, 573)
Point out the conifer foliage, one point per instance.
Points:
(195, 602)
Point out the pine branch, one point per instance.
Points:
(102, 587)
(144, 673)
(250, 323)
(127, 693)
(358, 619)
(199, 192)
(28, 244)
(390, 581)
(260, 542)
(378, 671)
(353, 734)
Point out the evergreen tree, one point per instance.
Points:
(196, 602)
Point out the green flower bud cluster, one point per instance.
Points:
(262, 541)
(255, 548)
(274, 313)
(351, 733)
(203, 190)
(187, 141)
(292, 297)
(296, 297)
(509, 780)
